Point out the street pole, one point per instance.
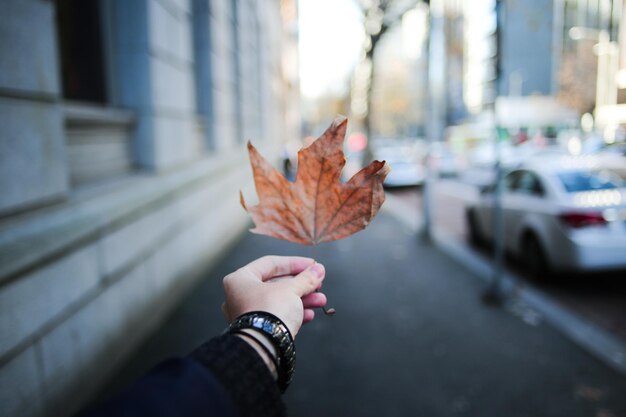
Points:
(437, 105)
(494, 295)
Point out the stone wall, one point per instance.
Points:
(31, 171)
(87, 272)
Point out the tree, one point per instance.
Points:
(378, 17)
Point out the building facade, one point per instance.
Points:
(122, 152)
(571, 53)
(592, 52)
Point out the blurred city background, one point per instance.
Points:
(493, 283)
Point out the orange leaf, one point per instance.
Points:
(317, 207)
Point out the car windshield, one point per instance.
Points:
(577, 181)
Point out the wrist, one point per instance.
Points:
(275, 330)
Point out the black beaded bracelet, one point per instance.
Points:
(278, 333)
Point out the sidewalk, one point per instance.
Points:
(410, 338)
(589, 312)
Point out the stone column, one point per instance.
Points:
(32, 152)
(155, 74)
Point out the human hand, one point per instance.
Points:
(282, 285)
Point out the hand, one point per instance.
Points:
(282, 285)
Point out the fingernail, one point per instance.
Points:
(318, 269)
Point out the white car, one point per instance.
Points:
(565, 215)
(406, 162)
(404, 173)
(442, 161)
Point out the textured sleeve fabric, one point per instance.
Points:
(225, 377)
(175, 388)
(243, 374)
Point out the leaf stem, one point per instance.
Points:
(327, 311)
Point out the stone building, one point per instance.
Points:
(122, 150)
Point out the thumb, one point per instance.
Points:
(308, 280)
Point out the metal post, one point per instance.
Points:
(437, 104)
(494, 295)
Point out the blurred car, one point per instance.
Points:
(484, 155)
(404, 173)
(406, 159)
(567, 215)
(443, 161)
(616, 149)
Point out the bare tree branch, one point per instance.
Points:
(378, 17)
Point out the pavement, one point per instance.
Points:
(410, 338)
(590, 309)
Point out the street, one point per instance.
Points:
(600, 297)
(134, 131)
(410, 338)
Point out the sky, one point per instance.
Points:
(331, 40)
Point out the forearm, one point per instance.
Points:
(243, 373)
(263, 348)
(224, 377)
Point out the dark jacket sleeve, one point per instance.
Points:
(222, 378)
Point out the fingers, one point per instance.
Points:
(269, 267)
(311, 301)
(309, 315)
(308, 280)
(314, 300)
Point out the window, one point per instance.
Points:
(529, 183)
(511, 180)
(97, 136)
(577, 181)
(524, 182)
(79, 24)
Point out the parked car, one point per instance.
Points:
(443, 161)
(484, 155)
(566, 215)
(406, 159)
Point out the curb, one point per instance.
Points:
(603, 345)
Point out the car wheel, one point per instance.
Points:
(533, 258)
(475, 236)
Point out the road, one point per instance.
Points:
(600, 297)
(410, 338)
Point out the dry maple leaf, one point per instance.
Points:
(317, 207)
